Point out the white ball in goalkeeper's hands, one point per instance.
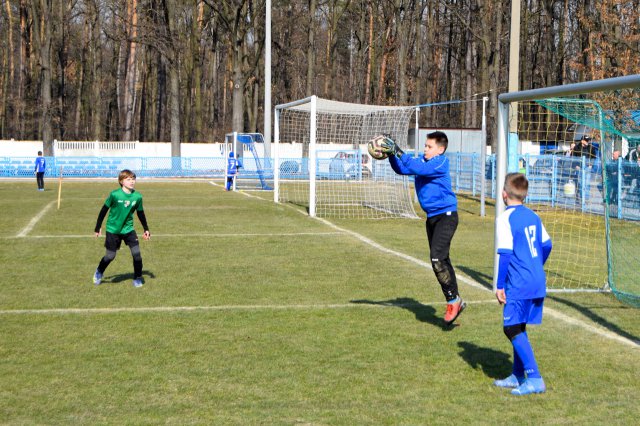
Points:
(375, 148)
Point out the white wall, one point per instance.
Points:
(460, 140)
(157, 149)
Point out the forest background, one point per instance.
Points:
(193, 70)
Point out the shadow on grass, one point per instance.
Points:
(423, 313)
(466, 200)
(597, 318)
(482, 279)
(116, 279)
(494, 364)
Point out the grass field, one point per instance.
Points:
(253, 313)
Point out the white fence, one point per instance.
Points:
(12, 148)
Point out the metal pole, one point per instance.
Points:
(417, 133)
(483, 156)
(501, 172)
(312, 159)
(267, 82)
(276, 159)
(626, 82)
(237, 155)
(514, 62)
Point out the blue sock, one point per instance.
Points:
(522, 346)
(518, 366)
(456, 300)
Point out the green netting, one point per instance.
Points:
(613, 120)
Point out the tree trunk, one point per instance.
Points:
(197, 74)
(43, 14)
(62, 62)
(367, 87)
(8, 79)
(237, 118)
(23, 74)
(311, 52)
(383, 64)
(95, 104)
(161, 96)
(174, 81)
(80, 76)
(131, 76)
(404, 27)
(174, 102)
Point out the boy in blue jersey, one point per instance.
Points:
(433, 187)
(39, 170)
(121, 204)
(523, 246)
(232, 171)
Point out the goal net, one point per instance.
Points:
(322, 163)
(583, 181)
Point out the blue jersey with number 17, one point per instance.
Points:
(521, 234)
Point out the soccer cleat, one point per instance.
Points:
(137, 283)
(454, 310)
(530, 386)
(510, 382)
(97, 278)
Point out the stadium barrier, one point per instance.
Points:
(546, 173)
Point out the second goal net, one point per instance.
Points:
(575, 143)
(322, 163)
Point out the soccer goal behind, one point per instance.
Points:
(581, 180)
(322, 164)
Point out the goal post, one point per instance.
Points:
(585, 201)
(321, 161)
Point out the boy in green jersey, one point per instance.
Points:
(121, 203)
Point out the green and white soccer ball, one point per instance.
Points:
(375, 148)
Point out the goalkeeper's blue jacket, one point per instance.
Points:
(432, 181)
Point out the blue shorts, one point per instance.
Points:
(526, 311)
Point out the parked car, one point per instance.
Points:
(344, 165)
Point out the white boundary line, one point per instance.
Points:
(34, 221)
(372, 305)
(552, 312)
(472, 283)
(207, 235)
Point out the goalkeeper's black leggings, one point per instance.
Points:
(440, 231)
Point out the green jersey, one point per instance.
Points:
(121, 207)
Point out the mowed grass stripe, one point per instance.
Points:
(355, 304)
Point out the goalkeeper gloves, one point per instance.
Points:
(390, 147)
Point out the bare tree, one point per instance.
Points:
(42, 12)
(131, 77)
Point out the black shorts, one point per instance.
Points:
(440, 230)
(113, 241)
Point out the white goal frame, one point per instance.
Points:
(506, 100)
(334, 118)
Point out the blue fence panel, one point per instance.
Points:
(556, 180)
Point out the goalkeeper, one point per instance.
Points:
(433, 187)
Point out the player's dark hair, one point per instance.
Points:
(39, 152)
(516, 186)
(124, 174)
(440, 138)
